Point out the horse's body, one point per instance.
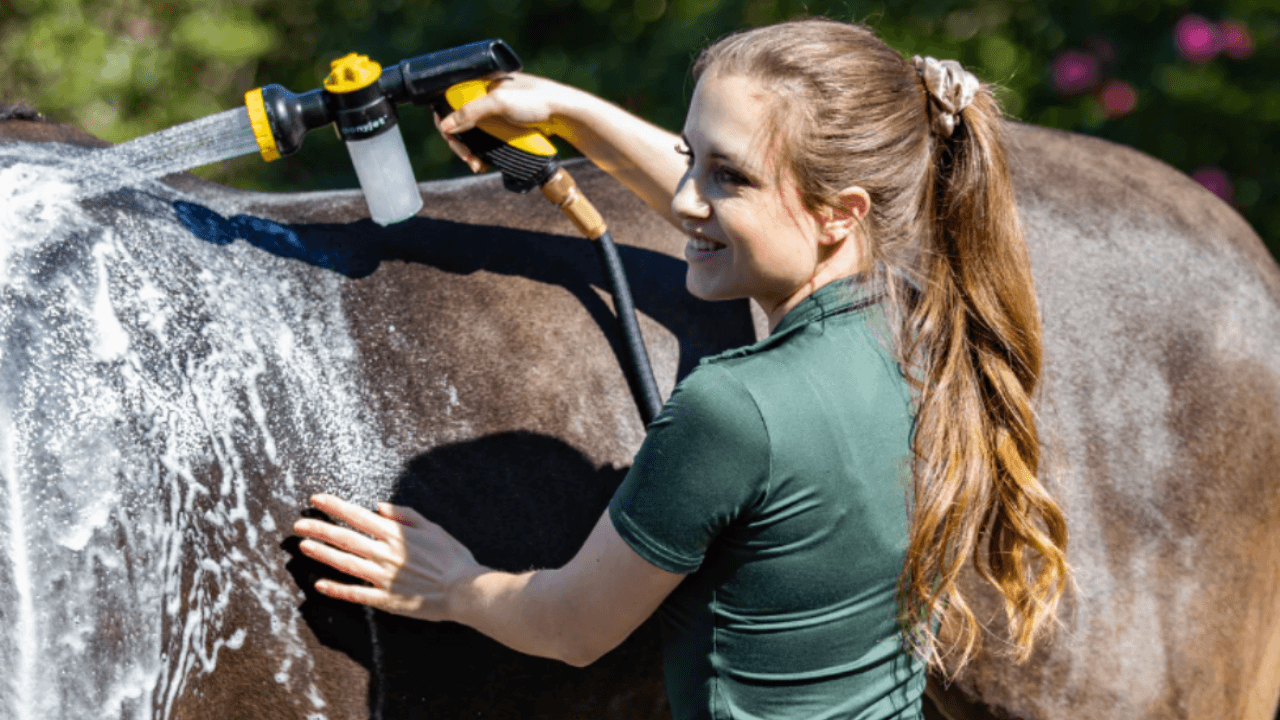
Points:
(182, 364)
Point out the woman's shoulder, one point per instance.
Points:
(844, 342)
(839, 367)
(714, 393)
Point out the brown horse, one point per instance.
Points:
(181, 364)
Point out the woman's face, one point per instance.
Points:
(749, 234)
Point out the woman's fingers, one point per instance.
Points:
(516, 99)
(352, 565)
(375, 597)
(459, 149)
(459, 120)
(466, 117)
(462, 120)
(353, 593)
(357, 517)
(344, 539)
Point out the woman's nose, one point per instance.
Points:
(688, 202)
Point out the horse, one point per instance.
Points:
(182, 364)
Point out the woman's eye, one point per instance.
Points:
(684, 150)
(729, 177)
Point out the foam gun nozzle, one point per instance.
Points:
(359, 98)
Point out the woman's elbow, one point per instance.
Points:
(583, 652)
(579, 661)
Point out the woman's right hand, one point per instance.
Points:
(519, 99)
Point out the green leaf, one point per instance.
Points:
(223, 37)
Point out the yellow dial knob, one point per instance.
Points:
(352, 72)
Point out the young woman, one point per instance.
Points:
(801, 509)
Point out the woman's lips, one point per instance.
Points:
(700, 248)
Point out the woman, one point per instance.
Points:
(802, 507)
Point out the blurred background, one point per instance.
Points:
(1194, 83)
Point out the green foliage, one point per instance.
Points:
(122, 68)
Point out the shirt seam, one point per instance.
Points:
(717, 659)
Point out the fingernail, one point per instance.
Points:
(448, 124)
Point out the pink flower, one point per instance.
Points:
(1216, 180)
(1197, 39)
(1117, 98)
(1237, 41)
(1074, 71)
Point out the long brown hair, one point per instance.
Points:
(947, 248)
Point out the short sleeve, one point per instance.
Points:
(703, 463)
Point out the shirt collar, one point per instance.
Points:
(841, 295)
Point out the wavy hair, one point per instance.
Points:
(947, 248)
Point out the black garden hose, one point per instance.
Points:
(637, 367)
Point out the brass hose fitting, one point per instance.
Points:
(563, 192)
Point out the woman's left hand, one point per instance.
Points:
(412, 563)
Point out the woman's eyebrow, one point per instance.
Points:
(717, 154)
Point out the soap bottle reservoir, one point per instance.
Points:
(367, 122)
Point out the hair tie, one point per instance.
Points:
(951, 87)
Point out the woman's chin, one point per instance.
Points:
(703, 289)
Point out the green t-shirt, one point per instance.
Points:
(777, 476)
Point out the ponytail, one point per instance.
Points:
(947, 248)
(973, 339)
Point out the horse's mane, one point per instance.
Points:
(21, 111)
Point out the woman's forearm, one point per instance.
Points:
(638, 153)
(575, 613)
(526, 612)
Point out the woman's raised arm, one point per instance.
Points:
(638, 153)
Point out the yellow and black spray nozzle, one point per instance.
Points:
(360, 96)
(359, 99)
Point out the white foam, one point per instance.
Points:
(90, 518)
(112, 341)
(23, 626)
(158, 378)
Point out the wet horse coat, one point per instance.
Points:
(267, 346)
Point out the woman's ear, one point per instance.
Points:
(842, 219)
